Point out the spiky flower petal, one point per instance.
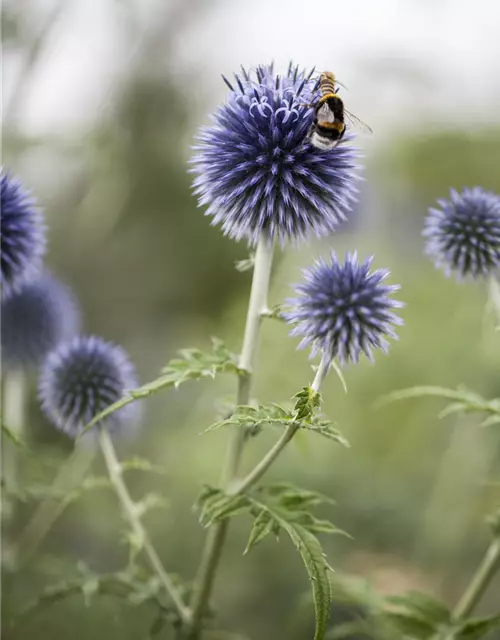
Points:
(80, 379)
(35, 319)
(22, 243)
(257, 170)
(463, 235)
(344, 309)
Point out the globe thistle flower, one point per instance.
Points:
(35, 320)
(80, 379)
(256, 169)
(343, 309)
(463, 235)
(22, 243)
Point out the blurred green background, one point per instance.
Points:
(101, 101)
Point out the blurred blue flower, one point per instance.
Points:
(22, 243)
(80, 379)
(257, 170)
(343, 309)
(35, 320)
(463, 235)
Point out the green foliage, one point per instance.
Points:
(12, 436)
(245, 265)
(303, 416)
(464, 401)
(275, 508)
(136, 463)
(133, 585)
(477, 628)
(192, 365)
(413, 616)
(38, 492)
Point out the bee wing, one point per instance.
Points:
(356, 122)
(325, 114)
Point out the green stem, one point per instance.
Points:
(494, 295)
(13, 416)
(480, 582)
(260, 469)
(212, 553)
(131, 514)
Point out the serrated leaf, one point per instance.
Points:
(327, 430)
(12, 436)
(150, 501)
(419, 604)
(339, 373)
(411, 625)
(274, 313)
(314, 560)
(254, 418)
(308, 400)
(192, 365)
(263, 525)
(464, 400)
(137, 463)
(245, 265)
(120, 584)
(216, 505)
(477, 628)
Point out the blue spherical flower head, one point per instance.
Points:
(344, 309)
(463, 235)
(22, 243)
(35, 319)
(257, 170)
(80, 379)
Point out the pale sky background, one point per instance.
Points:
(403, 61)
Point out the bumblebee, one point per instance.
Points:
(330, 116)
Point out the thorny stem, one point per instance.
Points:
(480, 581)
(13, 404)
(216, 537)
(131, 514)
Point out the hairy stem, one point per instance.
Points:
(480, 581)
(13, 416)
(131, 514)
(216, 537)
(260, 469)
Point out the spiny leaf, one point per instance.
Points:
(411, 626)
(192, 365)
(245, 265)
(463, 400)
(141, 464)
(262, 526)
(150, 501)
(120, 584)
(308, 400)
(475, 629)
(216, 505)
(339, 373)
(314, 560)
(254, 418)
(326, 429)
(274, 313)
(419, 604)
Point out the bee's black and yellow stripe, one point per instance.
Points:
(327, 86)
